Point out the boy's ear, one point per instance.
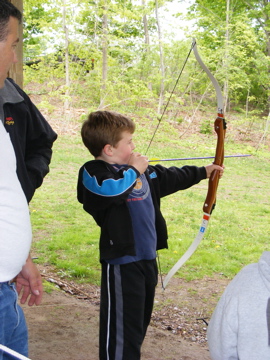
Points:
(108, 150)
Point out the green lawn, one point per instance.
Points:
(66, 237)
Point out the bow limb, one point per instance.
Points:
(211, 77)
(209, 204)
(189, 252)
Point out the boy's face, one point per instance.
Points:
(123, 149)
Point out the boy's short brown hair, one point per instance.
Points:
(104, 127)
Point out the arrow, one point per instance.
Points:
(198, 158)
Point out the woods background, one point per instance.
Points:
(127, 55)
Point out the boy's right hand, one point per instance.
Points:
(140, 162)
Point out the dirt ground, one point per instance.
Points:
(65, 326)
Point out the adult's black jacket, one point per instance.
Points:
(32, 138)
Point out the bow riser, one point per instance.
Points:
(220, 129)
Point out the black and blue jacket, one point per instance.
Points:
(103, 191)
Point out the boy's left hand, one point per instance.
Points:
(210, 168)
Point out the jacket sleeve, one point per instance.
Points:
(173, 179)
(99, 189)
(38, 143)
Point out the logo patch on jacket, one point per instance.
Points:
(153, 175)
(9, 121)
(138, 185)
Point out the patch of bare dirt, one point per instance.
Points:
(65, 326)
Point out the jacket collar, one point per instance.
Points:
(8, 94)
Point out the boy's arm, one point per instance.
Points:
(173, 179)
(100, 189)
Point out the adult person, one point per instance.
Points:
(25, 133)
(239, 328)
(31, 135)
(15, 242)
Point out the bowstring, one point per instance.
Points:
(156, 129)
(171, 94)
(160, 272)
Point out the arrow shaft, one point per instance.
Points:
(199, 158)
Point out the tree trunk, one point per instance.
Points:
(146, 41)
(264, 135)
(16, 70)
(145, 26)
(66, 102)
(104, 56)
(226, 58)
(162, 69)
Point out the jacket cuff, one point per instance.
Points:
(137, 172)
(203, 172)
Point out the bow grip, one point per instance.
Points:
(220, 128)
(210, 200)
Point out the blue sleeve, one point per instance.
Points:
(109, 187)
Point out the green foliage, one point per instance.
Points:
(206, 127)
(39, 20)
(235, 48)
(232, 43)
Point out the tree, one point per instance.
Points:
(162, 70)
(229, 33)
(16, 70)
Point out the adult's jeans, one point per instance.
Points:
(13, 328)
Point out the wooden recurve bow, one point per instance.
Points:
(210, 201)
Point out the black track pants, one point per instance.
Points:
(127, 298)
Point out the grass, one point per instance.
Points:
(66, 237)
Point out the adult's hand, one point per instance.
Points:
(29, 283)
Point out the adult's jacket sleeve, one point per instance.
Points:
(32, 138)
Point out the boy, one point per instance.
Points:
(122, 192)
